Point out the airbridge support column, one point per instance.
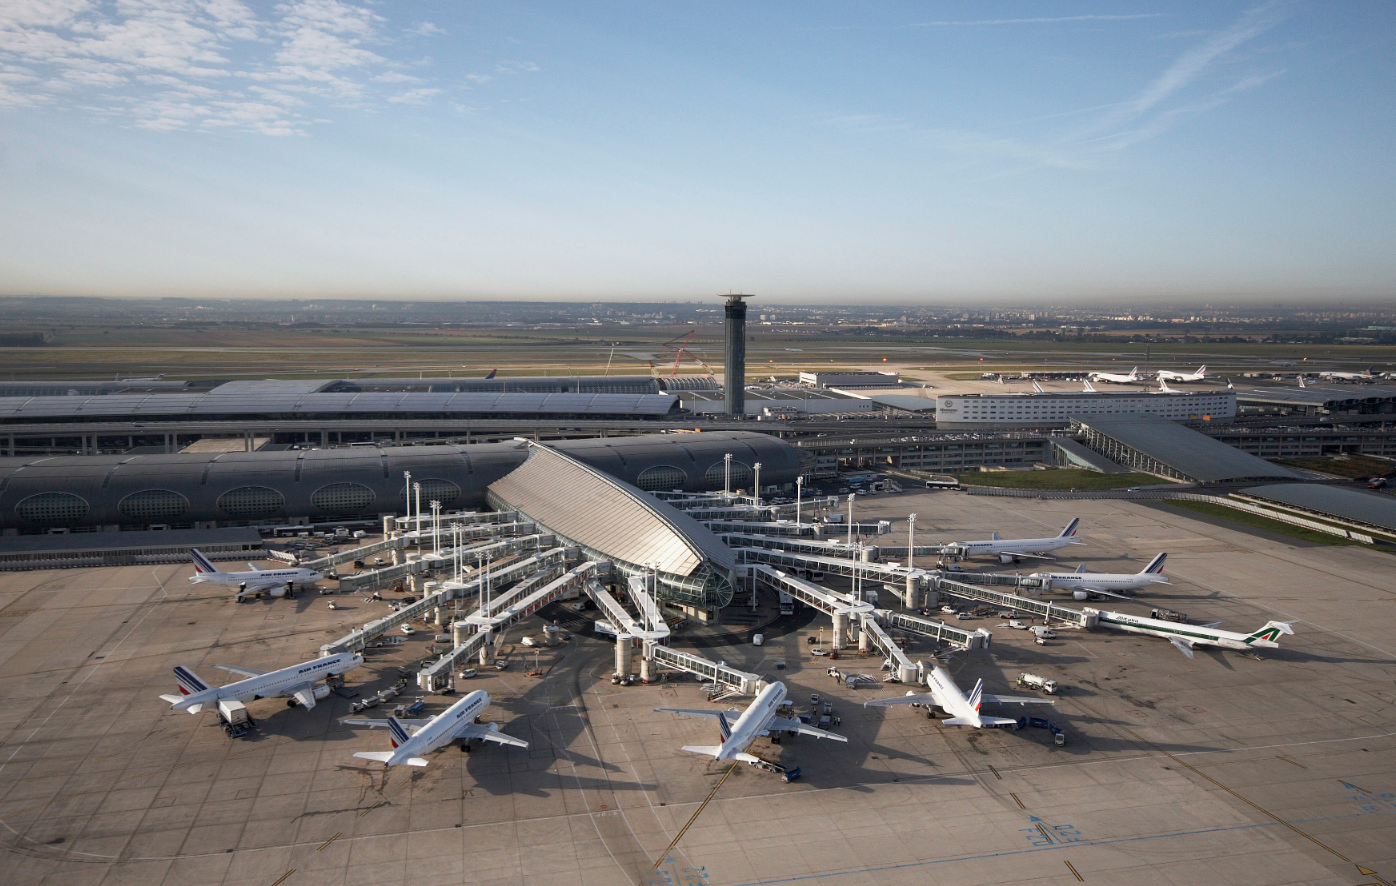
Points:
(909, 597)
(863, 645)
(646, 669)
(624, 647)
(840, 629)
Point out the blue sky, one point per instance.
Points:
(888, 152)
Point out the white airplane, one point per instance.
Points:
(1116, 377)
(1169, 375)
(276, 582)
(1007, 549)
(757, 720)
(1350, 376)
(1082, 583)
(1186, 637)
(414, 738)
(297, 683)
(963, 710)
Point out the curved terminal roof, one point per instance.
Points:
(240, 401)
(1185, 453)
(1343, 502)
(607, 515)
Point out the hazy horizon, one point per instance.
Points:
(985, 154)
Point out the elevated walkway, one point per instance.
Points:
(739, 682)
(829, 602)
(906, 671)
(958, 637)
(1044, 609)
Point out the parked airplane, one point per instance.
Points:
(757, 720)
(1186, 637)
(1350, 376)
(1169, 375)
(1116, 377)
(297, 683)
(277, 582)
(1008, 549)
(1082, 583)
(963, 710)
(414, 738)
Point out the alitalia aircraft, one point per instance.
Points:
(963, 710)
(297, 683)
(1185, 637)
(757, 720)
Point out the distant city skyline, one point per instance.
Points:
(986, 154)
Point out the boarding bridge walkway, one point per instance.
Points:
(826, 601)
(906, 670)
(1046, 609)
(837, 565)
(739, 682)
(324, 564)
(435, 675)
(785, 529)
(355, 641)
(625, 624)
(963, 639)
(998, 579)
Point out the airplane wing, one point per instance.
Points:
(692, 712)
(1086, 587)
(410, 725)
(784, 724)
(489, 733)
(915, 698)
(1015, 699)
(1181, 645)
(253, 567)
(245, 672)
(305, 694)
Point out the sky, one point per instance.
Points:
(882, 152)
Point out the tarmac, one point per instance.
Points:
(1228, 768)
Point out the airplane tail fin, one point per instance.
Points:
(492, 372)
(1037, 387)
(1271, 631)
(189, 682)
(1090, 389)
(995, 536)
(1202, 371)
(202, 564)
(193, 692)
(709, 750)
(1081, 567)
(976, 694)
(1134, 373)
(1070, 530)
(1155, 565)
(398, 732)
(724, 727)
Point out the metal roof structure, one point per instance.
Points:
(616, 521)
(1360, 398)
(905, 402)
(1157, 445)
(239, 400)
(1342, 502)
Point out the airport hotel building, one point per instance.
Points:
(1057, 409)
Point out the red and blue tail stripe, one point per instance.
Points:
(188, 682)
(202, 564)
(399, 734)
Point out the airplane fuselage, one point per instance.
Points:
(991, 547)
(1192, 634)
(753, 721)
(1105, 581)
(275, 684)
(441, 729)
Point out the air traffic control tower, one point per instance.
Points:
(734, 381)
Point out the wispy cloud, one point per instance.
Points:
(1043, 20)
(199, 64)
(424, 29)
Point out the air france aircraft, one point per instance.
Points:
(412, 739)
(296, 683)
(1185, 637)
(277, 582)
(1082, 583)
(963, 710)
(757, 720)
(1169, 375)
(1007, 549)
(1350, 376)
(1116, 377)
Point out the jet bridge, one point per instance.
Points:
(837, 565)
(492, 626)
(963, 639)
(906, 671)
(998, 579)
(839, 607)
(1044, 608)
(738, 682)
(781, 529)
(355, 641)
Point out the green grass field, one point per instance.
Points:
(1067, 478)
(1354, 466)
(1259, 522)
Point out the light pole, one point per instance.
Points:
(407, 496)
(757, 467)
(436, 527)
(727, 474)
(850, 519)
(417, 492)
(799, 488)
(911, 542)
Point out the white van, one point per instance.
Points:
(758, 639)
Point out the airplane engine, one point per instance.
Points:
(279, 591)
(1080, 595)
(321, 693)
(1005, 558)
